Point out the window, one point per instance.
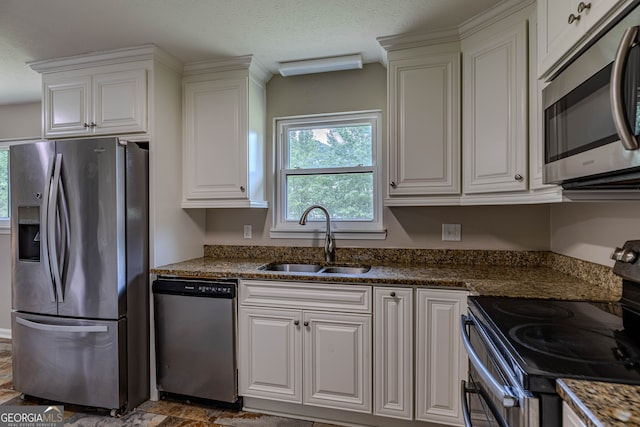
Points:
(4, 187)
(332, 161)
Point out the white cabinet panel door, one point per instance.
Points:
(495, 112)
(393, 352)
(424, 120)
(269, 353)
(120, 101)
(66, 106)
(441, 363)
(337, 360)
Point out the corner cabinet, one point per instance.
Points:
(424, 121)
(441, 363)
(84, 100)
(306, 343)
(224, 129)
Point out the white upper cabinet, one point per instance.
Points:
(564, 25)
(495, 140)
(83, 100)
(424, 122)
(224, 134)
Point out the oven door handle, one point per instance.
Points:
(466, 412)
(508, 398)
(627, 137)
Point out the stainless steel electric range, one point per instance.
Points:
(518, 347)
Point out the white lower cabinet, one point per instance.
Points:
(393, 352)
(317, 358)
(387, 351)
(441, 362)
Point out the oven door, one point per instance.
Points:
(492, 395)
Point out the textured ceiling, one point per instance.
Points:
(192, 30)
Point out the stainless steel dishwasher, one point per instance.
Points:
(195, 329)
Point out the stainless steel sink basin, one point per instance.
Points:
(345, 269)
(315, 268)
(292, 268)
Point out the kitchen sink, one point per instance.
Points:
(292, 268)
(315, 268)
(346, 269)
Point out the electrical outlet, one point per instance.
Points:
(247, 232)
(451, 232)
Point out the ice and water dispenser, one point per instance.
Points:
(29, 233)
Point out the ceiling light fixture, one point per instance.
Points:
(320, 65)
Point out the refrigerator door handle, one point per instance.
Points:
(63, 238)
(52, 214)
(61, 328)
(44, 232)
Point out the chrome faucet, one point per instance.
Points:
(329, 242)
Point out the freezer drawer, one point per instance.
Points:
(68, 360)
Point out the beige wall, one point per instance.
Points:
(506, 227)
(590, 231)
(16, 122)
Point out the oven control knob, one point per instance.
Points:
(623, 255)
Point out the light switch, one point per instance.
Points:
(247, 231)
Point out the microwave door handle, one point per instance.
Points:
(503, 392)
(627, 137)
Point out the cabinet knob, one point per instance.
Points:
(242, 188)
(86, 125)
(393, 294)
(296, 322)
(92, 125)
(573, 18)
(306, 323)
(393, 184)
(518, 177)
(582, 6)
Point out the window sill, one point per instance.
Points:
(5, 229)
(337, 235)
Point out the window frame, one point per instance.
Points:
(357, 229)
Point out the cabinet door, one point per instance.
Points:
(66, 105)
(495, 111)
(556, 35)
(269, 353)
(424, 118)
(337, 361)
(215, 146)
(393, 353)
(441, 363)
(120, 102)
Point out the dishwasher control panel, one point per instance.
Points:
(197, 288)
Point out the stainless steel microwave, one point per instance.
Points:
(591, 113)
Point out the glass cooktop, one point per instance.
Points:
(548, 339)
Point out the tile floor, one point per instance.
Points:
(164, 413)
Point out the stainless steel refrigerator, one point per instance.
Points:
(80, 282)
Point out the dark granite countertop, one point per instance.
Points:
(504, 274)
(602, 404)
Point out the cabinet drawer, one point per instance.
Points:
(306, 295)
